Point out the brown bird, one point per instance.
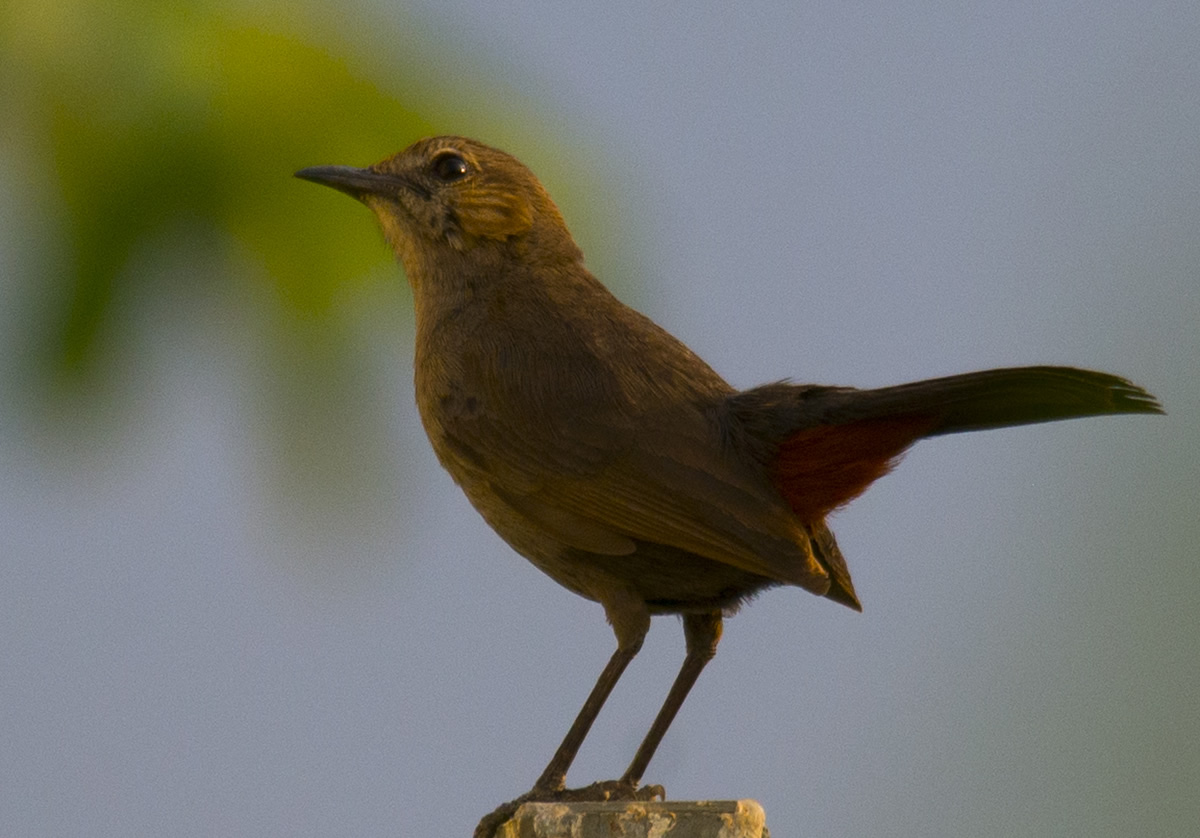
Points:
(609, 455)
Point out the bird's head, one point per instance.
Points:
(449, 198)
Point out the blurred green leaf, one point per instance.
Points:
(152, 148)
(160, 117)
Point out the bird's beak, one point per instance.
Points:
(354, 182)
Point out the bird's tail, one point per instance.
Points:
(825, 445)
(978, 401)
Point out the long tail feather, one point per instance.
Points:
(826, 445)
(999, 398)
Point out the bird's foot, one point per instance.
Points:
(606, 790)
(602, 791)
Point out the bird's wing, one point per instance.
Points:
(674, 481)
(694, 498)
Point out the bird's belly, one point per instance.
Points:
(667, 579)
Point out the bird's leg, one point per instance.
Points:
(702, 632)
(630, 621)
(555, 776)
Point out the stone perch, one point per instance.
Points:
(638, 819)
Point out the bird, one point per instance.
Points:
(608, 454)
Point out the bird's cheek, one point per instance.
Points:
(395, 230)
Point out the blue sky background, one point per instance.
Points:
(853, 193)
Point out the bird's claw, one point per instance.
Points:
(606, 790)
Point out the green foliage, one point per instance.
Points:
(150, 149)
(149, 120)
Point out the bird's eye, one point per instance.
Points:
(449, 166)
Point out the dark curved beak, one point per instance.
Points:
(354, 182)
